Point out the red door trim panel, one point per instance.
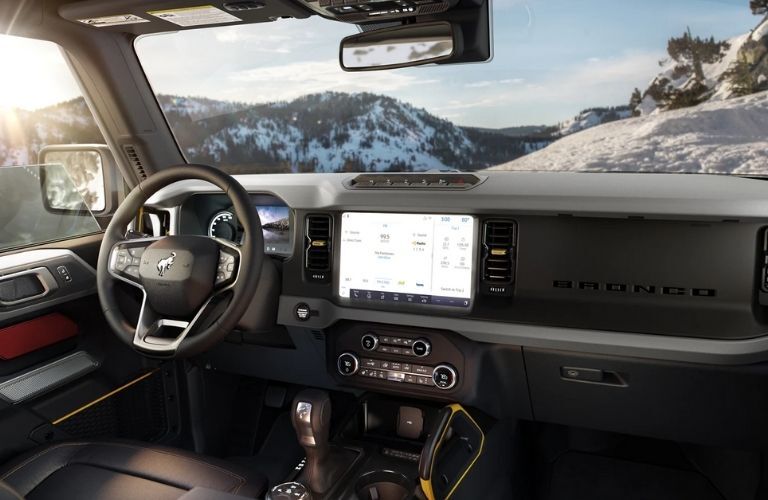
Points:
(29, 336)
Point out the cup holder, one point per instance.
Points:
(384, 485)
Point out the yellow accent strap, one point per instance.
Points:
(426, 485)
(105, 396)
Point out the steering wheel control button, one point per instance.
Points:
(445, 377)
(225, 268)
(421, 348)
(347, 364)
(369, 341)
(122, 260)
(303, 312)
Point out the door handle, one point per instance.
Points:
(26, 286)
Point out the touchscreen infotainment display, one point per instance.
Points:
(407, 258)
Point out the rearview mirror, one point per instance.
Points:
(399, 47)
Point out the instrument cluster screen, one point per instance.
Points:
(425, 259)
(275, 225)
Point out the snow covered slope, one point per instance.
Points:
(727, 137)
(749, 47)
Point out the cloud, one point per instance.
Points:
(489, 83)
(293, 80)
(605, 83)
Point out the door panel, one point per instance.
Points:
(63, 373)
(32, 335)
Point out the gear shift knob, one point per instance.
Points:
(312, 420)
(311, 416)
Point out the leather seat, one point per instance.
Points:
(121, 470)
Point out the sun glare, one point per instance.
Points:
(35, 74)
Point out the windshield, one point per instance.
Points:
(652, 86)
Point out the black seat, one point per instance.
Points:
(123, 471)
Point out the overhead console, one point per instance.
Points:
(361, 11)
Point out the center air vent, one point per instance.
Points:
(317, 254)
(498, 257)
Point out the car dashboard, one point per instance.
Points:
(545, 296)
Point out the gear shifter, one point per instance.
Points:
(312, 422)
(311, 415)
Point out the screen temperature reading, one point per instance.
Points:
(407, 258)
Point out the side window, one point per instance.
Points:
(56, 175)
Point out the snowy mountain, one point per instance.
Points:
(333, 132)
(23, 133)
(321, 132)
(719, 136)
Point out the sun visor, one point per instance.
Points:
(146, 17)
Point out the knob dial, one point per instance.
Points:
(347, 364)
(421, 348)
(445, 377)
(369, 341)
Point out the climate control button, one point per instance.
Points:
(445, 377)
(421, 348)
(347, 364)
(369, 341)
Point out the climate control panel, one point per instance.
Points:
(443, 376)
(399, 346)
(410, 360)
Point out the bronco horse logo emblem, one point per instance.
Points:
(165, 264)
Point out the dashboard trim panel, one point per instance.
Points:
(668, 348)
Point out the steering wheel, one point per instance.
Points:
(196, 288)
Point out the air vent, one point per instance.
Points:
(135, 161)
(319, 235)
(498, 257)
(447, 181)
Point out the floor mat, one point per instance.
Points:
(577, 476)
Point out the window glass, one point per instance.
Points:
(596, 85)
(42, 107)
(29, 214)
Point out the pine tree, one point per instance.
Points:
(691, 53)
(740, 76)
(634, 102)
(759, 7)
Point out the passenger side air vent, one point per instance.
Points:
(317, 254)
(498, 257)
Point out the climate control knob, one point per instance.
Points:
(421, 347)
(369, 341)
(347, 364)
(445, 377)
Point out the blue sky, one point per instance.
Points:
(552, 58)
